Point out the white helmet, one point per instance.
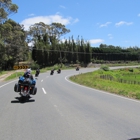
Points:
(29, 70)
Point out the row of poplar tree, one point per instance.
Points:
(47, 46)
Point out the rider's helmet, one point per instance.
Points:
(28, 71)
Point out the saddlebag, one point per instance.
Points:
(33, 90)
(33, 82)
(17, 88)
(21, 79)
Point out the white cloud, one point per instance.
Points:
(48, 20)
(31, 44)
(31, 14)
(75, 20)
(110, 36)
(123, 23)
(126, 41)
(105, 25)
(96, 41)
(61, 6)
(63, 40)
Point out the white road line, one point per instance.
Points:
(7, 83)
(44, 91)
(41, 80)
(100, 90)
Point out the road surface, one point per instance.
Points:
(62, 110)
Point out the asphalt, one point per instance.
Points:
(63, 110)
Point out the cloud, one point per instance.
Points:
(138, 15)
(31, 14)
(31, 44)
(105, 25)
(126, 41)
(75, 20)
(48, 20)
(110, 36)
(123, 23)
(96, 41)
(61, 6)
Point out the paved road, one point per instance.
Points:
(62, 110)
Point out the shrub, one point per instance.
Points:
(104, 67)
(131, 69)
(34, 66)
(137, 95)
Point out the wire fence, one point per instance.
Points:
(120, 80)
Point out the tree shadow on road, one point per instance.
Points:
(134, 139)
(20, 100)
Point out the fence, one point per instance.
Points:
(120, 80)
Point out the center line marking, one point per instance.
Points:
(44, 91)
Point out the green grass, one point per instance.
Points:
(14, 75)
(3, 72)
(93, 80)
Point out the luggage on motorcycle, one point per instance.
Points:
(21, 79)
(33, 90)
(33, 82)
(17, 88)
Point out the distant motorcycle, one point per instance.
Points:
(59, 71)
(77, 68)
(52, 72)
(25, 87)
(36, 74)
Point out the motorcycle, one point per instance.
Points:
(25, 87)
(59, 71)
(52, 72)
(36, 74)
(77, 69)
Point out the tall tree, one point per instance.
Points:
(47, 37)
(58, 29)
(13, 37)
(7, 8)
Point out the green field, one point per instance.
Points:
(124, 82)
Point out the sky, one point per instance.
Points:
(110, 22)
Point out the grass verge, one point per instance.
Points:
(94, 80)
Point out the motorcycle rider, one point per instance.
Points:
(37, 71)
(52, 71)
(59, 70)
(28, 74)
